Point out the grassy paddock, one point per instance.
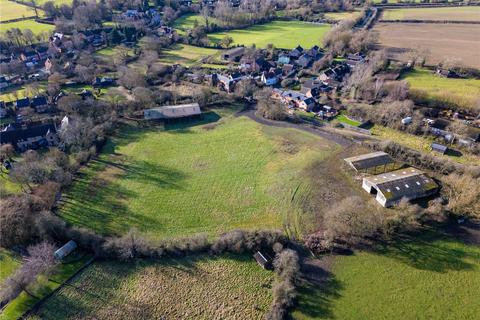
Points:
(187, 22)
(420, 143)
(282, 34)
(186, 54)
(190, 288)
(191, 179)
(346, 15)
(12, 10)
(425, 85)
(34, 26)
(431, 276)
(455, 13)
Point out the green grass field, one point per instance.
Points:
(9, 262)
(420, 143)
(7, 186)
(195, 288)
(282, 34)
(427, 277)
(458, 13)
(188, 180)
(44, 286)
(187, 22)
(344, 119)
(21, 92)
(187, 55)
(31, 24)
(12, 10)
(426, 85)
(347, 15)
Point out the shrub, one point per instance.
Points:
(287, 268)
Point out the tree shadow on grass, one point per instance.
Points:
(431, 251)
(101, 202)
(181, 125)
(317, 291)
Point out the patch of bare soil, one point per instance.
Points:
(460, 41)
(331, 181)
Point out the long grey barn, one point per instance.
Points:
(369, 160)
(172, 112)
(389, 188)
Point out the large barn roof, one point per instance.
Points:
(171, 112)
(409, 182)
(369, 160)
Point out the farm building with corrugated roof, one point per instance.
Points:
(173, 112)
(369, 160)
(389, 188)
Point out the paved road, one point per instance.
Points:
(250, 113)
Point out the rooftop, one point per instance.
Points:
(408, 182)
(369, 160)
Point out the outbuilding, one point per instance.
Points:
(439, 148)
(263, 260)
(391, 187)
(173, 112)
(65, 250)
(369, 160)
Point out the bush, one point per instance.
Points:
(287, 268)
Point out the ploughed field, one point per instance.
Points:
(200, 287)
(195, 178)
(432, 276)
(432, 14)
(282, 34)
(443, 41)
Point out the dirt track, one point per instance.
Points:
(282, 124)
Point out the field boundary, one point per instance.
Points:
(18, 19)
(425, 5)
(429, 21)
(43, 299)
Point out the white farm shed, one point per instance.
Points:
(172, 112)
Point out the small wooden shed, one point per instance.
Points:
(263, 260)
(439, 148)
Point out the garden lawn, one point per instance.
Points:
(194, 179)
(22, 92)
(198, 287)
(426, 277)
(30, 24)
(11, 10)
(344, 119)
(282, 34)
(420, 143)
(7, 186)
(425, 85)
